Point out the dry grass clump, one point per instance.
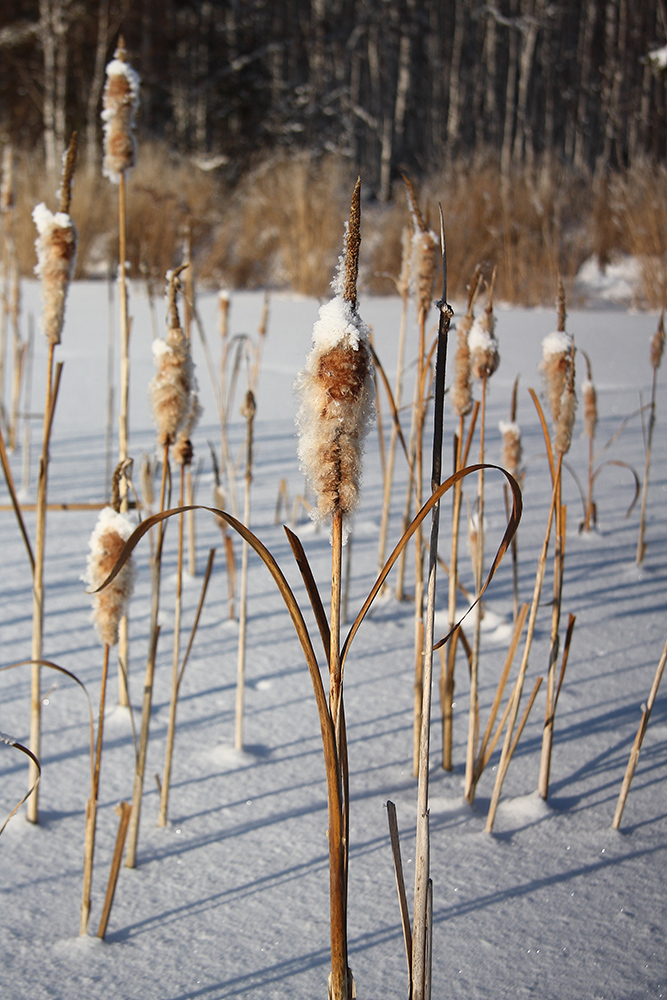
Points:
(282, 226)
(638, 202)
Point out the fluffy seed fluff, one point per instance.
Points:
(460, 394)
(484, 357)
(56, 259)
(565, 425)
(512, 452)
(555, 368)
(106, 543)
(337, 406)
(182, 451)
(120, 103)
(423, 266)
(171, 387)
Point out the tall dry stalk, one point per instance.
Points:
(106, 543)
(423, 265)
(56, 258)
(247, 411)
(484, 360)
(558, 374)
(462, 404)
(120, 103)
(336, 390)
(510, 459)
(171, 398)
(657, 348)
(182, 453)
(403, 288)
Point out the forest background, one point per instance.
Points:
(539, 125)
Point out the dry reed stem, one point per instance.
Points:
(639, 739)
(247, 411)
(423, 899)
(518, 687)
(140, 766)
(91, 806)
(400, 883)
(123, 811)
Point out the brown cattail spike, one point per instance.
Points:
(352, 244)
(68, 174)
(658, 343)
(562, 314)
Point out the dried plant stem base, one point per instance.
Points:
(123, 811)
(639, 739)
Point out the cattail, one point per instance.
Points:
(589, 397)
(512, 451)
(182, 451)
(557, 355)
(336, 389)
(424, 257)
(120, 100)
(172, 386)
(658, 344)
(567, 411)
(106, 543)
(460, 394)
(484, 357)
(56, 258)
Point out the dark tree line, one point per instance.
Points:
(391, 84)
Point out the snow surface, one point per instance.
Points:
(231, 898)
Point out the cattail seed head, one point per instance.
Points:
(171, 388)
(555, 368)
(565, 425)
(56, 259)
(106, 543)
(120, 103)
(512, 451)
(403, 284)
(484, 357)
(460, 394)
(424, 256)
(589, 397)
(183, 451)
(658, 344)
(336, 390)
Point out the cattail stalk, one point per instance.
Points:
(404, 288)
(462, 404)
(423, 907)
(511, 458)
(56, 257)
(247, 411)
(558, 371)
(484, 362)
(120, 103)
(589, 397)
(171, 390)
(111, 532)
(657, 348)
(336, 405)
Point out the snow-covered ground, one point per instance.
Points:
(231, 898)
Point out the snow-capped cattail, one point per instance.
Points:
(484, 357)
(658, 344)
(557, 350)
(171, 387)
(424, 257)
(512, 451)
(336, 389)
(56, 259)
(106, 543)
(120, 103)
